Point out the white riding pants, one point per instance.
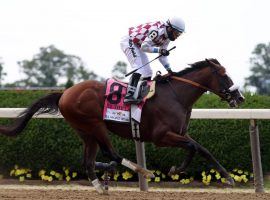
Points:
(136, 57)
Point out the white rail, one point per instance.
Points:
(196, 113)
(250, 114)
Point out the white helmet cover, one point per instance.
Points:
(177, 23)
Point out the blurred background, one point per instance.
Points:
(59, 43)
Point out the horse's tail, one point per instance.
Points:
(47, 104)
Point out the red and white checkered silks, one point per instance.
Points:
(139, 33)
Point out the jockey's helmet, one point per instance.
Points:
(175, 27)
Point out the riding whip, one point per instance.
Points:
(147, 63)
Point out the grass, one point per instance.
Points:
(267, 184)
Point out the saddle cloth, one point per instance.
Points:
(114, 107)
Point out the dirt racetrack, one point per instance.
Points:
(73, 192)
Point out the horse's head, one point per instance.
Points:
(222, 85)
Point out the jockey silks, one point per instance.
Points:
(142, 39)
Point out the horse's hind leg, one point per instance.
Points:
(90, 152)
(105, 145)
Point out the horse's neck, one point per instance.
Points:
(189, 93)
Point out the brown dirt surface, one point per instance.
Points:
(10, 190)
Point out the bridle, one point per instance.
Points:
(225, 93)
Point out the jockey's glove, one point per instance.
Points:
(164, 52)
(170, 71)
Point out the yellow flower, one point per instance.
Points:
(163, 176)
(29, 175)
(217, 176)
(74, 174)
(182, 181)
(237, 178)
(21, 178)
(212, 171)
(16, 166)
(206, 182)
(204, 178)
(44, 177)
(245, 179)
(157, 179)
(232, 175)
(175, 177)
(41, 172)
(185, 181)
(19, 172)
(60, 178)
(246, 172)
(57, 175)
(115, 176)
(66, 172)
(52, 173)
(12, 172)
(240, 171)
(148, 179)
(209, 177)
(235, 170)
(50, 178)
(126, 175)
(223, 180)
(158, 172)
(68, 178)
(203, 173)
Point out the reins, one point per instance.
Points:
(192, 83)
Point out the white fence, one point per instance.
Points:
(249, 114)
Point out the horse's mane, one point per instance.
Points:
(195, 66)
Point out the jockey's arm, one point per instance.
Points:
(164, 59)
(148, 46)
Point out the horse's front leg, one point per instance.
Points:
(175, 140)
(208, 156)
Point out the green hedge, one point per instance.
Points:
(52, 144)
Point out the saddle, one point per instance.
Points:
(143, 90)
(116, 110)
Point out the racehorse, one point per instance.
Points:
(164, 121)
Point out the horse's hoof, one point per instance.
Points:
(148, 174)
(230, 182)
(172, 171)
(106, 192)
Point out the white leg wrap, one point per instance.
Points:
(128, 164)
(98, 186)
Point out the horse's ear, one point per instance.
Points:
(212, 63)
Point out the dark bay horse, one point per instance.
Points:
(164, 122)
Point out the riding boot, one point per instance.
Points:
(132, 86)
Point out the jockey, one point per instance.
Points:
(153, 37)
